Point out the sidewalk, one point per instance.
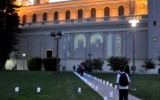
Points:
(103, 87)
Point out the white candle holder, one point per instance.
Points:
(111, 94)
(105, 98)
(38, 89)
(16, 89)
(79, 90)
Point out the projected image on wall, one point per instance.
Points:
(80, 46)
(66, 46)
(96, 45)
(113, 45)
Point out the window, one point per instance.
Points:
(24, 19)
(121, 11)
(36, 2)
(49, 53)
(67, 15)
(34, 18)
(45, 17)
(80, 14)
(93, 13)
(55, 16)
(107, 11)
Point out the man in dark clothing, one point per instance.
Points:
(123, 90)
(81, 68)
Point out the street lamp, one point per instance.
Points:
(23, 55)
(57, 35)
(134, 24)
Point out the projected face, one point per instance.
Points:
(96, 40)
(79, 41)
(96, 45)
(80, 46)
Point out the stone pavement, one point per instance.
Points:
(103, 87)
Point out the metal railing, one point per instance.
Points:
(88, 20)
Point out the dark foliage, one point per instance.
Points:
(50, 64)
(34, 64)
(9, 29)
(149, 64)
(88, 65)
(97, 64)
(158, 58)
(116, 62)
(91, 64)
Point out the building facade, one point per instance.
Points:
(94, 27)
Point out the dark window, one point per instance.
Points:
(80, 14)
(45, 17)
(93, 13)
(24, 19)
(154, 23)
(49, 54)
(107, 11)
(121, 11)
(67, 15)
(56, 16)
(34, 18)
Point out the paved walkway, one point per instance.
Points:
(103, 87)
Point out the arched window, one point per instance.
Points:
(34, 18)
(36, 2)
(93, 13)
(121, 11)
(106, 11)
(67, 15)
(80, 14)
(56, 16)
(45, 17)
(24, 19)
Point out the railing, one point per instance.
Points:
(88, 20)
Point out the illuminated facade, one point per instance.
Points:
(96, 27)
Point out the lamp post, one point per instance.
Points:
(57, 35)
(133, 24)
(23, 55)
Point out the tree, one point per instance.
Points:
(149, 64)
(97, 64)
(116, 62)
(9, 29)
(91, 64)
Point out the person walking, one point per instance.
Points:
(127, 70)
(123, 81)
(81, 69)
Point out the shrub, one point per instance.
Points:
(149, 64)
(50, 64)
(34, 63)
(88, 65)
(91, 64)
(116, 62)
(97, 64)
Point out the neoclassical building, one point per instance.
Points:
(99, 28)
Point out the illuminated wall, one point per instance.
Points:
(138, 8)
